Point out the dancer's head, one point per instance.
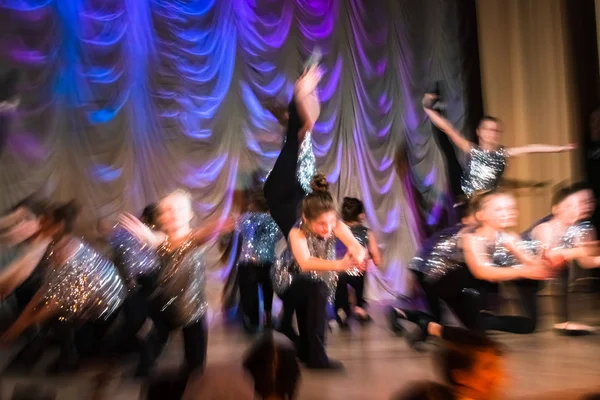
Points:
(61, 219)
(175, 212)
(257, 201)
(563, 208)
(319, 211)
(584, 200)
(353, 210)
(489, 131)
(273, 365)
(148, 216)
(495, 209)
(472, 364)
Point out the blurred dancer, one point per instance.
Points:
(180, 299)
(459, 284)
(258, 233)
(487, 160)
(353, 215)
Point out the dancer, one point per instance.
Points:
(569, 236)
(486, 161)
(459, 284)
(306, 276)
(289, 180)
(79, 287)
(259, 234)
(179, 301)
(353, 215)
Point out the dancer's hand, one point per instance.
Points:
(346, 263)
(358, 254)
(137, 228)
(429, 100)
(554, 258)
(569, 147)
(308, 82)
(20, 232)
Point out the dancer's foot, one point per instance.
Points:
(393, 316)
(362, 316)
(332, 365)
(342, 319)
(573, 329)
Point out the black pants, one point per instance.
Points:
(561, 299)
(465, 296)
(195, 339)
(308, 297)
(250, 276)
(341, 294)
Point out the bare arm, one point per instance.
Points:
(582, 253)
(140, 231)
(20, 269)
(445, 126)
(374, 250)
(212, 229)
(308, 262)
(307, 100)
(8, 220)
(482, 267)
(538, 148)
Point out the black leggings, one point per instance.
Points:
(308, 297)
(464, 295)
(250, 276)
(341, 294)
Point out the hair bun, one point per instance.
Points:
(319, 183)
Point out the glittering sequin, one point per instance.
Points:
(260, 234)
(484, 170)
(502, 257)
(132, 258)
(307, 164)
(361, 234)
(182, 282)
(286, 268)
(87, 286)
(577, 234)
(445, 255)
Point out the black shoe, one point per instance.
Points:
(393, 323)
(332, 366)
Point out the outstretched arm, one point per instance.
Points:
(212, 229)
(538, 148)
(140, 231)
(445, 126)
(307, 100)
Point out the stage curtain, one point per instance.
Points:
(126, 100)
(527, 81)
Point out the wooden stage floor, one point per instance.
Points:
(540, 366)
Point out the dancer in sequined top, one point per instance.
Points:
(459, 284)
(353, 215)
(486, 161)
(180, 299)
(306, 276)
(259, 234)
(566, 237)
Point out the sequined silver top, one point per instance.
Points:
(361, 234)
(577, 234)
(445, 255)
(182, 282)
(484, 169)
(502, 257)
(307, 164)
(132, 258)
(260, 234)
(86, 286)
(286, 268)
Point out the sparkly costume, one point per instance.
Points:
(132, 258)
(182, 282)
(443, 275)
(484, 169)
(259, 234)
(286, 268)
(87, 286)
(306, 163)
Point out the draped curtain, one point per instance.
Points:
(126, 100)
